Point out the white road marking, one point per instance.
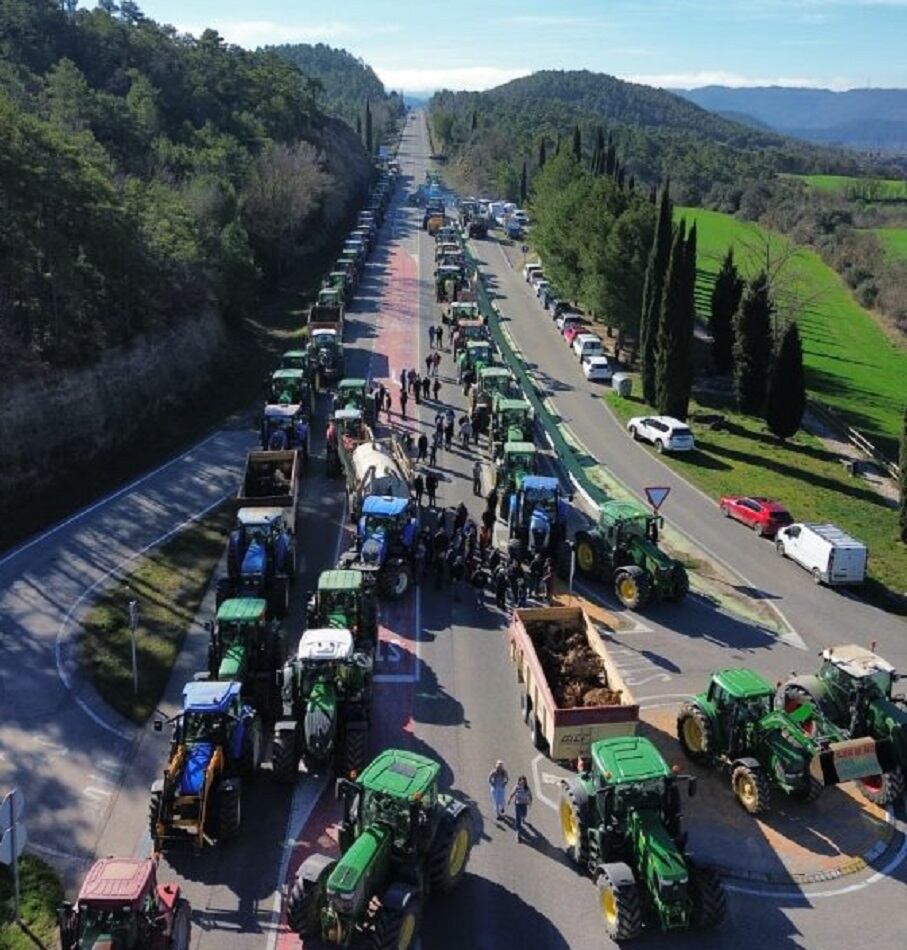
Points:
(539, 779)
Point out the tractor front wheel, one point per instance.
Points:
(696, 734)
(252, 748)
(587, 554)
(618, 898)
(284, 756)
(883, 789)
(709, 899)
(450, 852)
(229, 811)
(397, 929)
(573, 808)
(181, 929)
(752, 788)
(681, 582)
(307, 897)
(632, 587)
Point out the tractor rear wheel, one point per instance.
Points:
(284, 756)
(307, 897)
(618, 898)
(632, 587)
(181, 929)
(229, 811)
(696, 734)
(397, 929)
(573, 810)
(396, 581)
(752, 788)
(588, 555)
(354, 751)
(450, 852)
(883, 789)
(810, 792)
(709, 899)
(681, 585)
(252, 748)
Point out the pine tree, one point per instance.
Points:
(368, 127)
(785, 399)
(902, 462)
(753, 346)
(542, 155)
(673, 360)
(726, 296)
(577, 144)
(524, 186)
(652, 291)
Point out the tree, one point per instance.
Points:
(785, 399)
(524, 186)
(358, 126)
(902, 506)
(656, 269)
(577, 144)
(369, 144)
(475, 121)
(725, 300)
(542, 155)
(753, 345)
(624, 267)
(557, 147)
(673, 359)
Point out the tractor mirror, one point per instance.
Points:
(691, 788)
(158, 725)
(208, 625)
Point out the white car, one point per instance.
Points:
(664, 432)
(530, 269)
(597, 368)
(567, 319)
(587, 344)
(535, 278)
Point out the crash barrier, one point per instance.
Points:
(854, 437)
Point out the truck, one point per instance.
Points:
(327, 311)
(571, 691)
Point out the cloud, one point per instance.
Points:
(472, 78)
(718, 77)
(252, 33)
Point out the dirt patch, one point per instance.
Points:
(574, 671)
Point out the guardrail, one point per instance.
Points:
(855, 437)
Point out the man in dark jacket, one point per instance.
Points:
(431, 486)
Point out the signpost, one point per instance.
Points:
(133, 626)
(13, 839)
(657, 495)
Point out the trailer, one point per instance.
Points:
(569, 708)
(270, 480)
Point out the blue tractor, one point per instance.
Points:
(385, 543)
(217, 740)
(537, 518)
(286, 427)
(261, 559)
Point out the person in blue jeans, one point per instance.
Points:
(521, 797)
(497, 784)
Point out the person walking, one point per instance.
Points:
(407, 442)
(431, 337)
(387, 404)
(521, 587)
(460, 517)
(514, 575)
(404, 399)
(521, 796)
(428, 361)
(431, 486)
(500, 588)
(469, 378)
(448, 435)
(411, 380)
(403, 379)
(474, 419)
(435, 386)
(422, 446)
(488, 520)
(477, 477)
(419, 488)
(497, 788)
(426, 387)
(439, 336)
(466, 432)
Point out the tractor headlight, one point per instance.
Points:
(672, 890)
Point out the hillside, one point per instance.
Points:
(654, 131)
(859, 118)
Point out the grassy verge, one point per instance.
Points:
(893, 241)
(868, 189)
(169, 583)
(744, 458)
(850, 362)
(40, 894)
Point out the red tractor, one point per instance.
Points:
(122, 907)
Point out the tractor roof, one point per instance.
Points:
(210, 697)
(492, 371)
(743, 684)
(541, 483)
(326, 644)
(629, 759)
(351, 383)
(856, 661)
(478, 345)
(288, 373)
(255, 517)
(276, 410)
(518, 448)
(471, 324)
(384, 505)
(242, 610)
(340, 580)
(113, 882)
(295, 354)
(614, 511)
(507, 404)
(401, 774)
(347, 413)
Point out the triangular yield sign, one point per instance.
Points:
(657, 494)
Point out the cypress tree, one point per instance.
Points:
(524, 186)
(673, 360)
(652, 291)
(368, 127)
(542, 156)
(577, 144)
(785, 399)
(610, 158)
(725, 300)
(753, 346)
(557, 147)
(475, 120)
(902, 505)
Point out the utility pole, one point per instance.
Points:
(133, 626)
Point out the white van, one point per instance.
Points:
(831, 555)
(587, 344)
(530, 269)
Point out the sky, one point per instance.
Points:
(422, 45)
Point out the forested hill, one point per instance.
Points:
(146, 176)
(347, 83)
(490, 134)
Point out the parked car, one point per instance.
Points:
(556, 307)
(535, 278)
(764, 516)
(569, 318)
(587, 344)
(530, 269)
(597, 368)
(664, 432)
(572, 332)
(830, 554)
(541, 287)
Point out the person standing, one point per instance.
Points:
(403, 401)
(521, 796)
(491, 503)
(477, 477)
(403, 379)
(460, 517)
(431, 337)
(535, 573)
(448, 435)
(484, 540)
(426, 387)
(428, 361)
(436, 363)
(387, 404)
(474, 419)
(378, 396)
(500, 588)
(419, 488)
(497, 787)
(417, 389)
(423, 447)
(457, 569)
(479, 581)
(433, 451)
(439, 336)
(431, 486)
(436, 387)
(465, 432)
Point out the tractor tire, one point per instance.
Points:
(353, 756)
(883, 789)
(588, 555)
(305, 901)
(396, 581)
(284, 757)
(229, 811)
(252, 748)
(811, 792)
(618, 898)
(709, 899)
(181, 928)
(573, 809)
(154, 810)
(279, 599)
(632, 587)
(752, 788)
(696, 734)
(397, 929)
(681, 582)
(449, 853)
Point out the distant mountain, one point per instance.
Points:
(744, 119)
(859, 118)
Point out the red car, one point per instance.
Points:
(572, 330)
(764, 516)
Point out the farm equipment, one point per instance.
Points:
(449, 278)
(621, 823)
(290, 387)
(400, 840)
(734, 725)
(346, 600)
(512, 420)
(295, 359)
(537, 517)
(349, 431)
(506, 472)
(340, 280)
(216, 740)
(385, 542)
(468, 331)
(375, 467)
(246, 646)
(122, 906)
(622, 549)
(492, 381)
(477, 228)
(353, 394)
(326, 353)
(325, 694)
(286, 427)
(476, 355)
(853, 688)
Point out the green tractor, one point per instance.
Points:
(476, 355)
(246, 646)
(622, 550)
(353, 394)
(326, 693)
(512, 420)
(853, 688)
(734, 725)
(291, 387)
(468, 331)
(295, 359)
(400, 840)
(621, 822)
(515, 462)
(346, 600)
(490, 382)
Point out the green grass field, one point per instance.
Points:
(893, 240)
(745, 458)
(868, 189)
(851, 364)
(40, 894)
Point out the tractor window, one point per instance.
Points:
(717, 695)
(202, 727)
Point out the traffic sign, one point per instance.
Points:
(11, 809)
(13, 842)
(656, 495)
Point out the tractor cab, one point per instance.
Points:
(240, 639)
(330, 297)
(619, 522)
(461, 310)
(294, 359)
(285, 426)
(443, 247)
(289, 387)
(493, 381)
(476, 355)
(512, 420)
(345, 599)
(448, 278)
(537, 517)
(517, 460)
(212, 711)
(386, 524)
(340, 280)
(853, 668)
(349, 423)
(325, 348)
(469, 331)
(739, 696)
